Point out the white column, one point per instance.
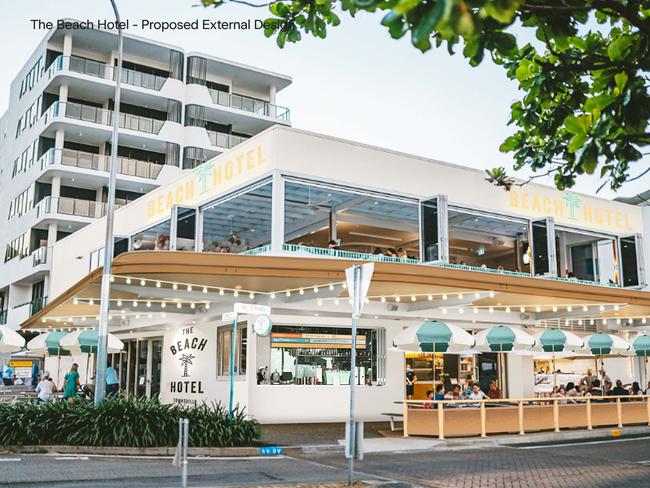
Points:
(51, 234)
(277, 213)
(56, 186)
(98, 201)
(521, 376)
(67, 45)
(272, 92)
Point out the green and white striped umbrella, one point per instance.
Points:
(501, 338)
(10, 340)
(601, 344)
(434, 336)
(641, 346)
(85, 341)
(556, 340)
(48, 344)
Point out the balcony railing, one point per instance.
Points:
(3, 317)
(37, 304)
(106, 71)
(40, 256)
(98, 162)
(103, 116)
(70, 206)
(248, 104)
(221, 139)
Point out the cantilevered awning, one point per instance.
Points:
(145, 280)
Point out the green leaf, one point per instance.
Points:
(421, 33)
(621, 80)
(598, 103)
(575, 125)
(577, 142)
(620, 48)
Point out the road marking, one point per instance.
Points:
(544, 446)
(7, 460)
(68, 458)
(153, 458)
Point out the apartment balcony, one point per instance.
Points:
(251, 105)
(103, 116)
(41, 256)
(76, 207)
(3, 317)
(98, 162)
(106, 72)
(223, 140)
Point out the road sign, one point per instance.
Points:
(252, 309)
(365, 276)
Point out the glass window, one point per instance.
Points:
(585, 256)
(322, 356)
(629, 263)
(240, 223)
(224, 346)
(539, 230)
(185, 229)
(155, 238)
(360, 222)
(485, 241)
(429, 227)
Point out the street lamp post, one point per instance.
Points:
(102, 328)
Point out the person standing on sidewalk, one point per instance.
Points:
(112, 382)
(71, 384)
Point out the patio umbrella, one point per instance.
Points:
(85, 341)
(436, 337)
(556, 340)
(501, 338)
(49, 344)
(600, 344)
(10, 340)
(640, 346)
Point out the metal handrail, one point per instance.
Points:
(248, 104)
(98, 162)
(103, 116)
(221, 139)
(105, 71)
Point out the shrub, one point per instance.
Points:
(125, 421)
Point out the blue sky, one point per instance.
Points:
(358, 83)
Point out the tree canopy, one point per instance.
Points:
(585, 104)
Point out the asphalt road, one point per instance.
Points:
(616, 464)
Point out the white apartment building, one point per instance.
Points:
(178, 110)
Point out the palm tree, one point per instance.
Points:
(186, 360)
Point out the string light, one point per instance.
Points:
(142, 282)
(119, 303)
(538, 309)
(643, 320)
(315, 289)
(320, 302)
(205, 289)
(413, 298)
(163, 305)
(460, 296)
(331, 287)
(287, 293)
(397, 299)
(477, 295)
(492, 294)
(128, 281)
(179, 305)
(148, 304)
(491, 310)
(192, 305)
(602, 308)
(616, 307)
(618, 321)
(272, 296)
(301, 291)
(475, 309)
(236, 293)
(444, 296)
(221, 292)
(569, 308)
(585, 308)
(75, 301)
(383, 299)
(344, 286)
(508, 310)
(522, 309)
(135, 303)
(555, 308)
(336, 301)
(430, 297)
(461, 310)
(189, 287)
(444, 311)
(158, 284)
(112, 279)
(175, 286)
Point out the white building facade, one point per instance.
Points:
(277, 219)
(178, 110)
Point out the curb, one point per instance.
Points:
(151, 451)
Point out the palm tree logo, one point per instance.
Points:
(573, 202)
(186, 360)
(202, 173)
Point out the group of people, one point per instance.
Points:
(46, 388)
(470, 391)
(592, 385)
(233, 245)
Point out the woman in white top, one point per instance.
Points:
(46, 388)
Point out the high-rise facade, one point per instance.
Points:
(178, 109)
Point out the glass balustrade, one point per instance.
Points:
(248, 104)
(98, 162)
(104, 116)
(221, 139)
(40, 256)
(106, 71)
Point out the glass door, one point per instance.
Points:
(543, 249)
(140, 370)
(184, 229)
(631, 261)
(434, 237)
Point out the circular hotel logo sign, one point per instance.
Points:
(262, 325)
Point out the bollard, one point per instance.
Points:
(180, 457)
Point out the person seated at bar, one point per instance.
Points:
(333, 245)
(494, 393)
(572, 391)
(476, 394)
(440, 392)
(454, 394)
(595, 390)
(618, 390)
(589, 379)
(635, 389)
(429, 397)
(606, 381)
(468, 386)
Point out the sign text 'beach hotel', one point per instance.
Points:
(207, 180)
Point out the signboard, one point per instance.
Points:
(324, 341)
(252, 309)
(188, 349)
(22, 369)
(365, 276)
(207, 180)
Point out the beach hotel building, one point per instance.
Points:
(255, 225)
(178, 110)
